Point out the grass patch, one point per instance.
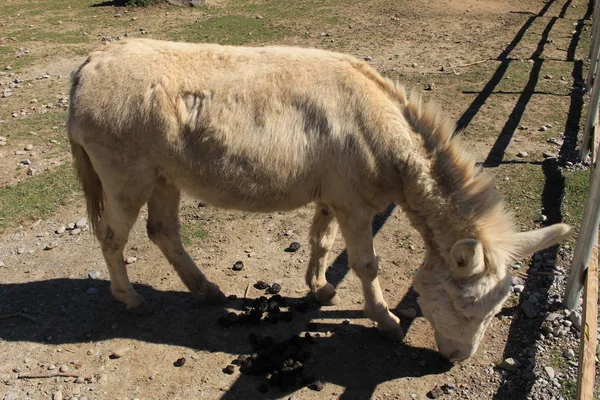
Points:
(568, 388)
(577, 185)
(37, 197)
(522, 192)
(191, 232)
(228, 30)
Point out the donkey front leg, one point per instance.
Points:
(322, 235)
(359, 243)
(163, 229)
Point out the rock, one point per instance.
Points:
(120, 352)
(528, 309)
(238, 266)
(435, 393)
(130, 260)
(553, 316)
(543, 128)
(2, 265)
(82, 223)
(187, 3)
(317, 386)
(368, 58)
(550, 372)
(57, 395)
(548, 154)
(547, 329)
(575, 318)
(2, 139)
(448, 388)
(430, 86)
(70, 226)
(568, 354)
(29, 147)
(76, 231)
(518, 288)
(94, 274)
(51, 367)
(10, 396)
(50, 246)
(63, 368)
(7, 93)
(522, 154)
(510, 365)
(517, 280)
(408, 313)
(60, 230)
(20, 153)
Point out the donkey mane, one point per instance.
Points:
(460, 183)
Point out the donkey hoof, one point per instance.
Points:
(397, 335)
(141, 309)
(327, 295)
(213, 294)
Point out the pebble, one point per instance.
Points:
(522, 154)
(2, 265)
(528, 309)
(435, 393)
(51, 367)
(94, 274)
(510, 365)
(517, 280)
(238, 266)
(82, 223)
(548, 154)
(575, 318)
(50, 246)
(519, 288)
(543, 128)
(569, 353)
(553, 316)
(408, 313)
(368, 58)
(29, 147)
(57, 395)
(430, 86)
(550, 372)
(63, 368)
(2, 139)
(10, 396)
(130, 260)
(120, 352)
(76, 231)
(70, 226)
(293, 247)
(317, 386)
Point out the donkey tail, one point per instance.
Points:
(90, 183)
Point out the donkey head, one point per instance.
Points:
(460, 299)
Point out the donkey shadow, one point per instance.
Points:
(82, 310)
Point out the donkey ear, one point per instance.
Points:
(467, 258)
(527, 243)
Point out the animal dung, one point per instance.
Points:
(238, 266)
(293, 247)
(256, 310)
(274, 289)
(229, 370)
(261, 285)
(179, 363)
(281, 364)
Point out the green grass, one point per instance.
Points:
(228, 30)
(191, 232)
(37, 197)
(576, 190)
(522, 192)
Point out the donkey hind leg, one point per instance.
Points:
(120, 213)
(359, 242)
(163, 229)
(322, 235)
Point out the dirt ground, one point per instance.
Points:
(501, 69)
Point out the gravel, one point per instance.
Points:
(529, 309)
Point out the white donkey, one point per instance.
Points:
(275, 128)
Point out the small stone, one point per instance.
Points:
(543, 128)
(519, 288)
(10, 396)
(548, 154)
(51, 367)
(522, 154)
(293, 247)
(368, 58)
(568, 354)
(517, 280)
(120, 352)
(430, 86)
(57, 395)
(553, 316)
(408, 313)
(317, 386)
(94, 274)
(63, 368)
(575, 318)
(510, 365)
(238, 266)
(50, 246)
(550, 372)
(130, 260)
(76, 231)
(543, 218)
(82, 223)
(179, 362)
(229, 370)
(80, 379)
(528, 309)
(548, 77)
(7, 93)
(70, 226)
(29, 147)
(435, 393)
(20, 153)
(2, 265)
